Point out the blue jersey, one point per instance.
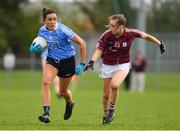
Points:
(59, 41)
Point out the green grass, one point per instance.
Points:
(157, 108)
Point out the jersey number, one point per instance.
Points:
(117, 44)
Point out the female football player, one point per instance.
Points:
(60, 60)
(114, 47)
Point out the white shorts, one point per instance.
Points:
(106, 71)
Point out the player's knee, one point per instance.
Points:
(46, 83)
(63, 92)
(114, 86)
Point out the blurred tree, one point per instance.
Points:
(98, 11)
(10, 23)
(20, 21)
(19, 24)
(164, 16)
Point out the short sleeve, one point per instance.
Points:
(68, 32)
(102, 41)
(136, 33)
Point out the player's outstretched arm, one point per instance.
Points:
(94, 57)
(82, 44)
(154, 40)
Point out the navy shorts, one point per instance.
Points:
(65, 67)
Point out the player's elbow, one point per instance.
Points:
(82, 43)
(145, 35)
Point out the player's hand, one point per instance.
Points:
(79, 68)
(35, 48)
(90, 65)
(162, 47)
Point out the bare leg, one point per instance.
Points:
(106, 97)
(56, 86)
(64, 91)
(106, 94)
(116, 81)
(74, 83)
(48, 75)
(55, 80)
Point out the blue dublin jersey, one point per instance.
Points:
(59, 41)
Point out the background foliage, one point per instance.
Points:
(20, 19)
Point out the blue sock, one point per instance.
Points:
(46, 110)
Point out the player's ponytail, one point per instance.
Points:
(45, 12)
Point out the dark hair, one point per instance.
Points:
(121, 20)
(45, 12)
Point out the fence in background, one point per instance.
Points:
(168, 62)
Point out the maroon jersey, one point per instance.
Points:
(117, 50)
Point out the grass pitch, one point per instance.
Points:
(157, 108)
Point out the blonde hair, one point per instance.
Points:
(120, 19)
